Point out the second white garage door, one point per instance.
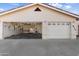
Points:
(57, 30)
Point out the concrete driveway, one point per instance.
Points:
(39, 47)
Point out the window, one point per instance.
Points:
(67, 24)
(54, 24)
(58, 23)
(49, 23)
(37, 9)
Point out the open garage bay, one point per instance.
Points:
(22, 30)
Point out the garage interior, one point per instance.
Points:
(22, 30)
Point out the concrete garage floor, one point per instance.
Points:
(39, 47)
(26, 36)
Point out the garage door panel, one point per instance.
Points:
(58, 30)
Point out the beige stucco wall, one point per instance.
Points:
(29, 15)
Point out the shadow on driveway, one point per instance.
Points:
(26, 36)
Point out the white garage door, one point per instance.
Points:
(58, 30)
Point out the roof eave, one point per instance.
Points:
(62, 11)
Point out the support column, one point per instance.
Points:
(1, 30)
(73, 30)
(44, 30)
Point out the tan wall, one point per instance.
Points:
(29, 14)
